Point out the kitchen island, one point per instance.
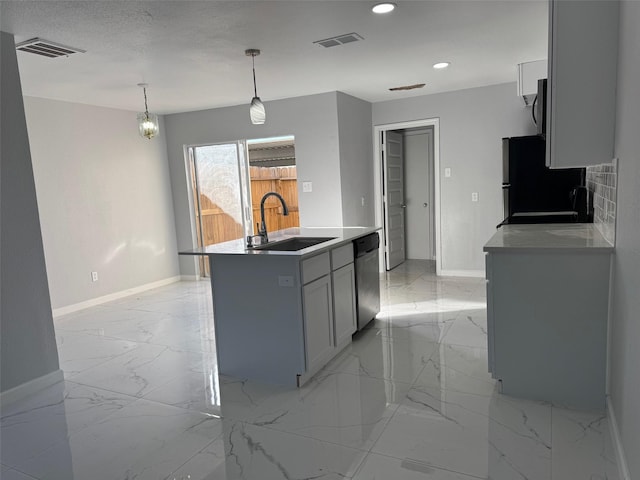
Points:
(547, 311)
(281, 315)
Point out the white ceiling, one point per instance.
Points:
(191, 53)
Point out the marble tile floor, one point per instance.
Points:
(410, 399)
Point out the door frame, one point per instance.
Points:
(377, 178)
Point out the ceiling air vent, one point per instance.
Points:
(407, 87)
(339, 40)
(46, 48)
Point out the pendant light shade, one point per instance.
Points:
(256, 111)
(148, 125)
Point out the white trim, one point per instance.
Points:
(377, 167)
(462, 273)
(621, 460)
(57, 312)
(191, 278)
(32, 386)
(612, 267)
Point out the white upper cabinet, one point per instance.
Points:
(528, 75)
(581, 95)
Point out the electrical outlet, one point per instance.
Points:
(447, 172)
(285, 281)
(474, 197)
(307, 187)
(94, 276)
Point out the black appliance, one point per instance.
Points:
(365, 251)
(539, 108)
(533, 193)
(582, 201)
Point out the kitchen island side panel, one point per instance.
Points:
(259, 333)
(550, 325)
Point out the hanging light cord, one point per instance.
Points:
(146, 109)
(253, 62)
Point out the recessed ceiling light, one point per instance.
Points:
(385, 7)
(441, 65)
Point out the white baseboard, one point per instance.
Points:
(191, 278)
(32, 386)
(57, 312)
(461, 273)
(621, 460)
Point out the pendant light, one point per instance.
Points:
(147, 122)
(256, 110)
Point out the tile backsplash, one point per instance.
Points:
(602, 181)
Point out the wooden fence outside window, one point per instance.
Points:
(218, 226)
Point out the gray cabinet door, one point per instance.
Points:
(318, 321)
(491, 329)
(583, 55)
(344, 302)
(548, 314)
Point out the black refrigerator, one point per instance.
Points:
(534, 193)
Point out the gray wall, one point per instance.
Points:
(356, 152)
(313, 120)
(105, 200)
(28, 345)
(472, 122)
(625, 342)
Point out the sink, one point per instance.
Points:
(293, 244)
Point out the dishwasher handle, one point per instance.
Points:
(366, 244)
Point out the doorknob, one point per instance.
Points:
(403, 205)
(425, 204)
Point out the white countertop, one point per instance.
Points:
(583, 237)
(239, 247)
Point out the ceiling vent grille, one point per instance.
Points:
(407, 87)
(339, 40)
(46, 48)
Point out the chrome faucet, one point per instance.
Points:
(262, 230)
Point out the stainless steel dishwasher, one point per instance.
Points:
(366, 255)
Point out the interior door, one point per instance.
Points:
(419, 195)
(393, 198)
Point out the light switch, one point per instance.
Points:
(447, 172)
(307, 187)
